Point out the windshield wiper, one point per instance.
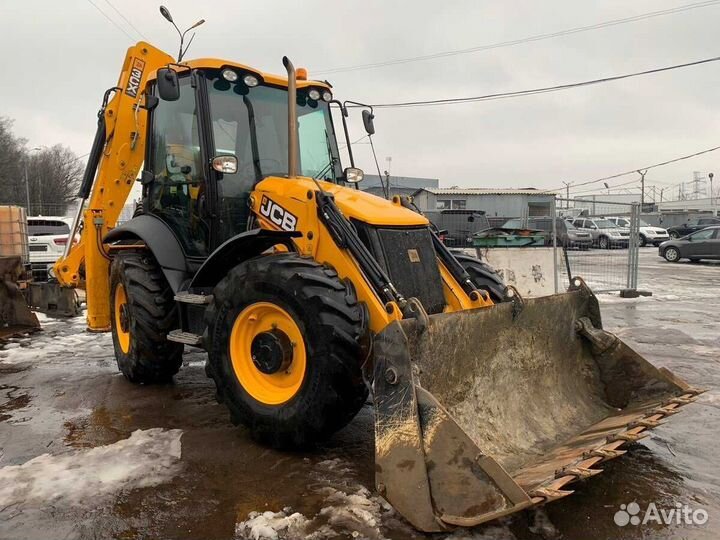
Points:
(253, 139)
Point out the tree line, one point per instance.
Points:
(53, 174)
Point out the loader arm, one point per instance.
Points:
(118, 153)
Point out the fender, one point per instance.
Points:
(161, 241)
(237, 249)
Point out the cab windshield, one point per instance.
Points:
(251, 123)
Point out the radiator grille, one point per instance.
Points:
(409, 257)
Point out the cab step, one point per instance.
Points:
(188, 338)
(190, 298)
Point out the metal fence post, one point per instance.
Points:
(633, 246)
(556, 270)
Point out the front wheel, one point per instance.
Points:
(285, 349)
(144, 311)
(484, 277)
(643, 240)
(604, 242)
(671, 254)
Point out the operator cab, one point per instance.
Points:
(226, 113)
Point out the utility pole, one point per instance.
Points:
(642, 188)
(567, 193)
(661, 194)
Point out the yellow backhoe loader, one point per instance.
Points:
(253, 243)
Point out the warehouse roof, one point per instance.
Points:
(487, 191)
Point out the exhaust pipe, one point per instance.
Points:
(292, 118)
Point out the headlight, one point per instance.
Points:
(314, 94)
(251, 80)
(229, 75)
(327, 96)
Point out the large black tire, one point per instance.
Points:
(333, 325)
(150, 313)
(484, 277)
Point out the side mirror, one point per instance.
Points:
(225, 164)
(168, 84)
(353, 175)
(368, 118)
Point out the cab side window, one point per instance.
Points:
(177, 193)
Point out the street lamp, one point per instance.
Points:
(712, 204)
(27, 180)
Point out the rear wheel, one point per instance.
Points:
(143, 312)
(674, 234)
(671, 254)
(284, 349)
(484, 277)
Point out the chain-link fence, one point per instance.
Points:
(598, 241)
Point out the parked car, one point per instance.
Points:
(47, 237)
(703, 244)
(678, 231)
(649, 234)
(605, 233)
(568, 235)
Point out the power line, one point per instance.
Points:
(537, 37)
(542, 90)
(128, 20)
(116, 25)
(634, 171)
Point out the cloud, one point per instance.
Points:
(73, 54)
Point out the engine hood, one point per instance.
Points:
(354, 203)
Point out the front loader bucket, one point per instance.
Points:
(481, 413)
(15, 315)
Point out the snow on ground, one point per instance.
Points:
(147, 458)
(348, 508)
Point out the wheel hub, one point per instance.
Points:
(271, 352)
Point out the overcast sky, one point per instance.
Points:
(59, 57)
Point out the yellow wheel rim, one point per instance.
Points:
(122, 323)
(267, 352)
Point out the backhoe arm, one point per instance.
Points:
(117, 155)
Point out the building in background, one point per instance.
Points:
(505, 203)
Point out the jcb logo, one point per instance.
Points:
(277, 214)
(133, 85)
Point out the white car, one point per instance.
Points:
(47, 237)
(648, 233)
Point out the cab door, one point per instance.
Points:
(176, 175)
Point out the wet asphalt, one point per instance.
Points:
(86, 454)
